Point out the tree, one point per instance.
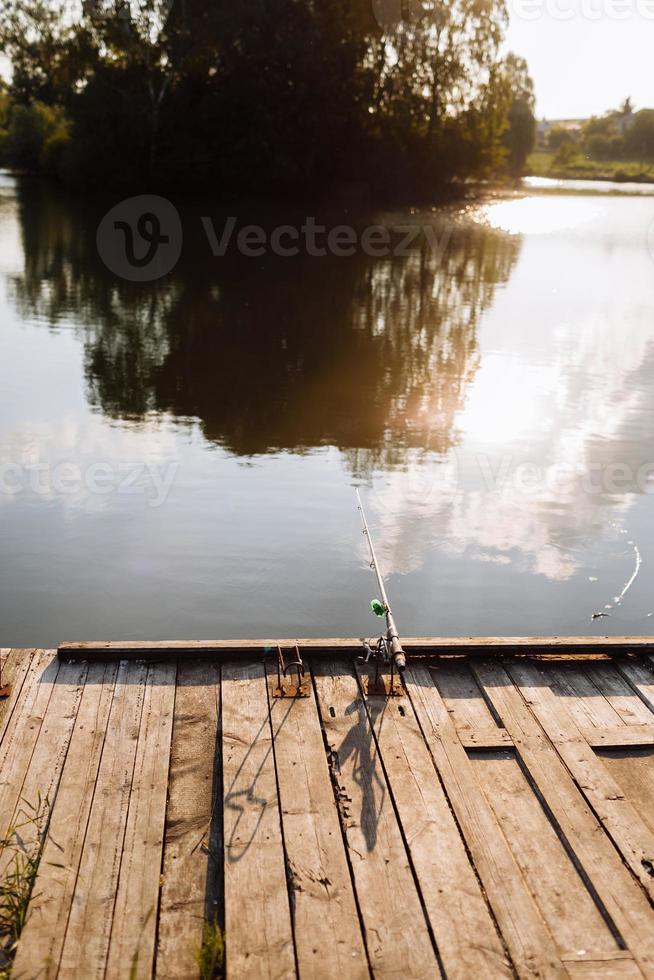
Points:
(558, 136)
(520, 137)
(281, 96)
(639, 138)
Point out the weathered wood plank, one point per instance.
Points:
(86, 944)
(397, 935)
(485, 738)
(640, 676)
(620, 966)
(37, 794)
(620, 895)
(529, 942)
(619, 694)
(620, 819)
(567, 907)
(22, 734)
(42, 939)
(472, 718)
(623, 736)
(328, 938)
(133, 932)
(572, 683)
(462, 697)
(192, 866)
(465, 934)
(633, 769)
(258, 931)
(16, 664)
(469, 645)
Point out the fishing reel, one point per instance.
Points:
(380, 649)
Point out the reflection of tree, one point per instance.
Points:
(371, 355)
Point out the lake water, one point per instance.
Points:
(177, 458)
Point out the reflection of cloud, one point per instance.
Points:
(42, 457)
(564, 386)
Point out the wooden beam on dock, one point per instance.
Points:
(469, 646)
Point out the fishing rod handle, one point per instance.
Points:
(399, 656)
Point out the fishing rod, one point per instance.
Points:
(383, 608)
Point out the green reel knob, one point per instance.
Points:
(378, 608)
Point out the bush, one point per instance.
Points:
(600, 147)
(639, 139)
(36, 138)
(557, 137)
(565, 154)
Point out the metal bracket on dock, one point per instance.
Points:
(374, 683)
(291, 677)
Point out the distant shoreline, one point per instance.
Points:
(541, 164)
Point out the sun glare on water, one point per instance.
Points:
(506, 403)
(540, 215)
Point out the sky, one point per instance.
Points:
(589, 62)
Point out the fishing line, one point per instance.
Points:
(617, 600)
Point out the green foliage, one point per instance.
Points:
(639, 138)
(36, 137)
(276, 97)
(558, 136)
(566, 153)
(210, 956)
(22, 847)
(601, 147)
(519, 136)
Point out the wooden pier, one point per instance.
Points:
(494, 817)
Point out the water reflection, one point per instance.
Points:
(372, 355)
(488, 395)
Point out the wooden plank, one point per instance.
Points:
(619, 966)
(86, 943)
(530, 944)
(623, 900)
(462, 697)
(42, 938)
(192, 865)
(565, 903)
(640, 676)
(16, 664)
(489, 738)
(328, 938)
(133, 932)
(629, 833)
(487, 646)
(572, 683)
(258, 931)
(472, 718)
(397, 935)
(633, 770)
(619, 694)
(623, 736)
(465, 934)
(22, 734)
(38, 791)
